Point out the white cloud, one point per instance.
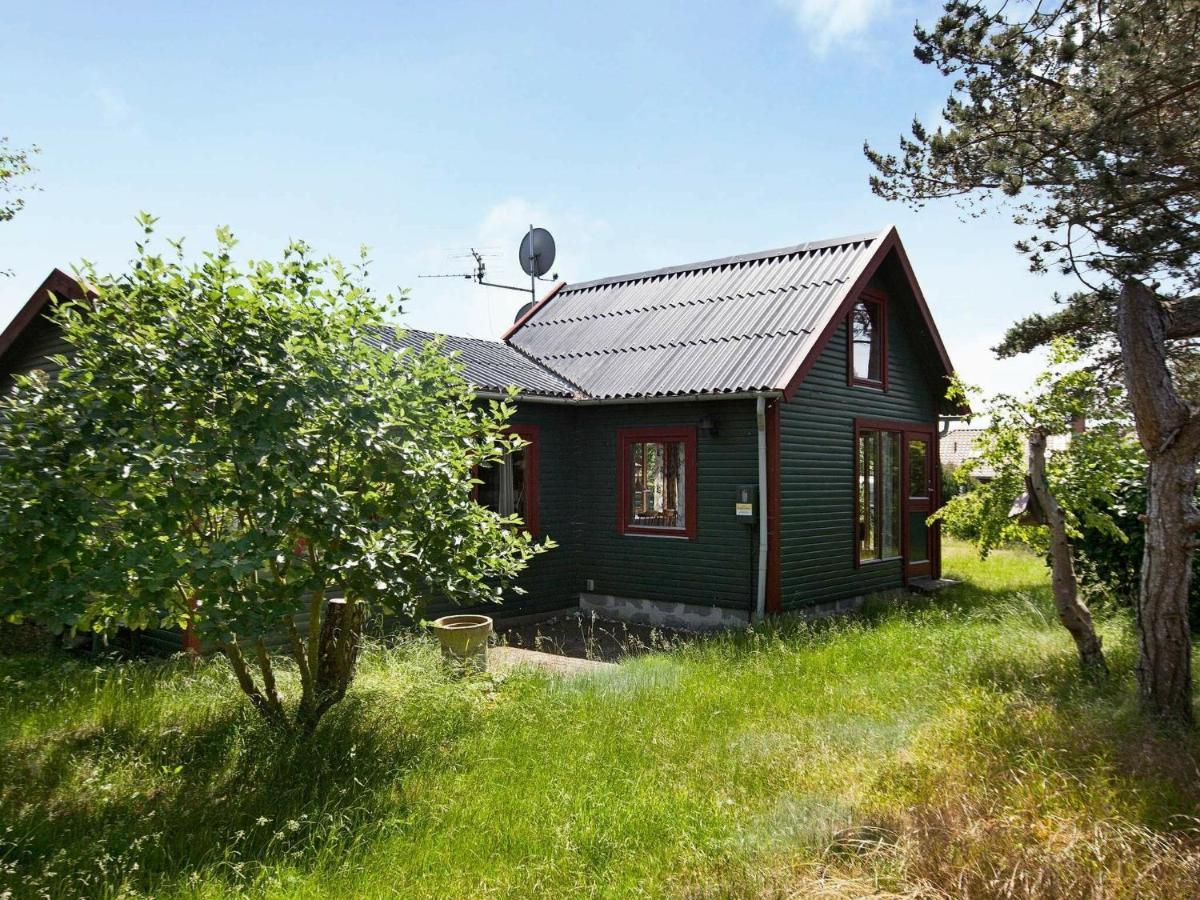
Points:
(113, 107)
(459, 306)
(977, 365)
(830, 22)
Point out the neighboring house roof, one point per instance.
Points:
(488, 365)
(753, 322)
(57, 286)
(958, 445)
(955, 447)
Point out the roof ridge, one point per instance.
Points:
(719, 298)
(758, 256)
(580, 392)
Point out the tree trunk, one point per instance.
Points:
(341, 633)
(1170, 434)
(1164, 637)
(269, 707)
(1072, 612)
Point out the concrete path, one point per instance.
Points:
(930, 585)
(505, 659)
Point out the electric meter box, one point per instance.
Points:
(745, 505)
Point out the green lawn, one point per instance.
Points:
(944, 748)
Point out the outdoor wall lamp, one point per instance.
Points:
(709, 424)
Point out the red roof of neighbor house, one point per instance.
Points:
(959, 445)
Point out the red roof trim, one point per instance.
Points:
(532, 311)
(57, 284)
(926, 315)
(532, 435)
(890, 240)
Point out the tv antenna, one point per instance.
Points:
(535, 254)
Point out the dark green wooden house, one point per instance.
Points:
(711, 441)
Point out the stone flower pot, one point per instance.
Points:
(464, 639)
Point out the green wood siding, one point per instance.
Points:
(817, 461)
(550, 581)
(32, 350)
(717, 568)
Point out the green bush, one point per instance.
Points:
(1109, 568)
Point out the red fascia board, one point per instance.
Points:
(889, 242)
(926, 315)
(805, 361)
(533, 311)
(948, 367)
(57, 284)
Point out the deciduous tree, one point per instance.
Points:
(228, 450)
(15, 165)
(1071, 489)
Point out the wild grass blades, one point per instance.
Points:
(588, 636)
(942, 747)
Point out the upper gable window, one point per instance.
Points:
(868, 341)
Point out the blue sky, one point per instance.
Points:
(642, 134)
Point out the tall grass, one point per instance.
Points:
(941, 748)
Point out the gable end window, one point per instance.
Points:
(866, 329)
(511, 486)
(877, 493)
(656, 472)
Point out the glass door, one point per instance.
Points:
(919, 503)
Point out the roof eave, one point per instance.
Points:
(57, 284)
(886, 241)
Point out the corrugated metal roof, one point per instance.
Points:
(488, 365)
(720, 326)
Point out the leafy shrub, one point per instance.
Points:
(1109, 568)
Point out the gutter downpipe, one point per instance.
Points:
(760, 600)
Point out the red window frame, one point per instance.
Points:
(879, 300)
(877, 426)
(626, 438)
(531, 434)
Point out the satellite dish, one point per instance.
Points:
(524, 309)
(537, 252)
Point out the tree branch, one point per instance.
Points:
(298, 648)
(1073, 614)
(1183, 318)
(272, 697)
(244, 679)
